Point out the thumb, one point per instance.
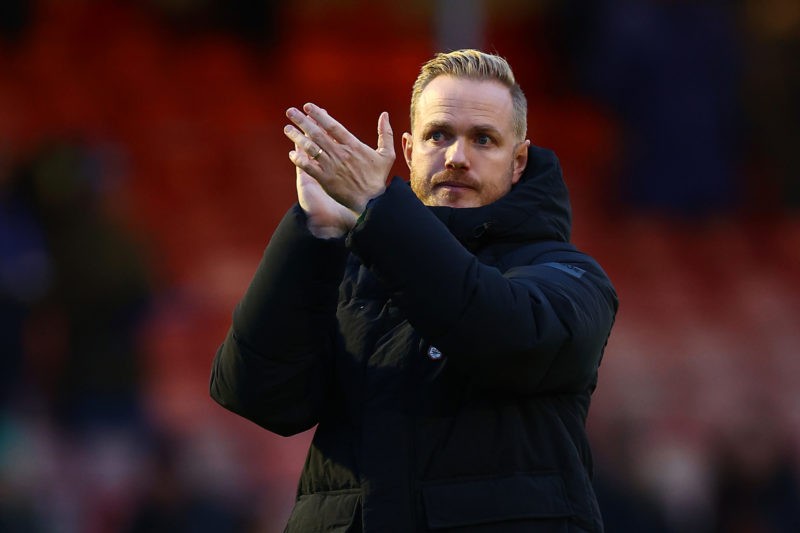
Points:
(385, 136)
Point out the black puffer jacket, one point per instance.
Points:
(448, 356)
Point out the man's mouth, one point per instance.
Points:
(452, 185)
(452, 182)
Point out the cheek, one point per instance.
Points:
(420, 161)
(418, 183)
(421, 169)
(499, 185)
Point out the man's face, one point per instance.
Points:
(462, 151)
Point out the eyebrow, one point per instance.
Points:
(485, 128)
(436, 125)
(443, 125)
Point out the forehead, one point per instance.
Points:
(461, 101)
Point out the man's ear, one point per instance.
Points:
(408, 144)
(520, 160)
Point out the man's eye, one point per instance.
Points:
(437, 136)
(483, 139)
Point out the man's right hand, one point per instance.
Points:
(327, 218)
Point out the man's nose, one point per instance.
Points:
(456, 155)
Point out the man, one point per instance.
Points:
(445, 338)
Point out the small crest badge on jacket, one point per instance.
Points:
(434, 353)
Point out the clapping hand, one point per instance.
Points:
(331, 162)
(327, 218)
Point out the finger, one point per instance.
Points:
(301, 142)
(304, 163)
(331, 126)
(292, 155)
(309, 128)
(385, 136)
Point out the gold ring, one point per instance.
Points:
(315, 156)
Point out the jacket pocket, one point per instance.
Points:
(329, 512)
(524, 497)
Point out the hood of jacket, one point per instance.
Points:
(536, 208)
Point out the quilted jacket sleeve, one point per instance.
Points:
(537, 328)
(273, 367)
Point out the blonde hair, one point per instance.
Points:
(474, 65)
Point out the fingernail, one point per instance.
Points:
(287, 129)
(309, 107)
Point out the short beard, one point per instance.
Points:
(423, 193)
(423, 188)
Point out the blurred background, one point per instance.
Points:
(143, 168)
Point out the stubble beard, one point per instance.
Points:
(422, 186)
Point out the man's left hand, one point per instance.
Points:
(351, 172)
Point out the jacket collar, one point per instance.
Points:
(537, 208)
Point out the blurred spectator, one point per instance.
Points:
(626, 504)
(758, 488)
(22, 478)
(252, 21)
(771, 100)
(626, 509)
(15, 18)
(170, 504)
(669, 69)
(81, 337)
(25, 276)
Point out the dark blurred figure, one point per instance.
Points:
(15, 18)
(571, 33)
(626, 505)
(626, 509)
(80, 338)
(772, 100)
(170, 504)
(252, 21)
(18, 512)
(669, 70)
(25, 276)
(758, 488)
